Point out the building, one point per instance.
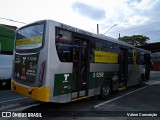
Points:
(7, 34)
(155, 59)
(155, 55)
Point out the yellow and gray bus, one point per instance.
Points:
(55, 62)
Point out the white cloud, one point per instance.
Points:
(146, 4)
(89, 11)
(126, 13)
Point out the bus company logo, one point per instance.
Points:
(24, 59)
(6, 114)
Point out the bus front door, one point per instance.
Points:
(80, 68)
(123, 68)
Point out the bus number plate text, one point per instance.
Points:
(98, 74)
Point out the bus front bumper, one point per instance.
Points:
(37, 93)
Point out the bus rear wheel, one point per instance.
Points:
(105, 89)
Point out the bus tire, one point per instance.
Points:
(140, 81)
(105, 89)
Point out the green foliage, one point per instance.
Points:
(137, 40)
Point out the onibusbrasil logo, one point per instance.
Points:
(19, 114)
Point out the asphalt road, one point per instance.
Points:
(121, 105)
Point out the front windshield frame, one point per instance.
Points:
(43, 37)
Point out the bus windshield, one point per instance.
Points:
(30, 37)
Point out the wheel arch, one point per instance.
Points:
(106, 84)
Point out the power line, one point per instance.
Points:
(151, 32)
(12, 20)
(135, 27)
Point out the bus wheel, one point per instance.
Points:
(105, 89)
(140, 81)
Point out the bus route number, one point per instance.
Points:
(98, 74)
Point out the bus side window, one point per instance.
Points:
(140, 58)
(110, 47)
(99, 45)
(64, 45)
(130, 56)
(93, 47)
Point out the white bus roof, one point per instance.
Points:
(98, 36)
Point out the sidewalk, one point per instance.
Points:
(155, 72)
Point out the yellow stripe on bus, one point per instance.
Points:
(37, 93)
(79, 98)
(122, 88)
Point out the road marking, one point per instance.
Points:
(23, 107)
(13, 100)
(5, 90)
(108, 101)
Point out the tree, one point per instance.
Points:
(137, 40)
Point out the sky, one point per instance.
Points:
(124, 17)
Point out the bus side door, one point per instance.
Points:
(123, 67)
(80, 68)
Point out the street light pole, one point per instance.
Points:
(110, 28)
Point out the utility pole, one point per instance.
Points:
(97, 29)
(119, 36)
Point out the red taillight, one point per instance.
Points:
(42, 70)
